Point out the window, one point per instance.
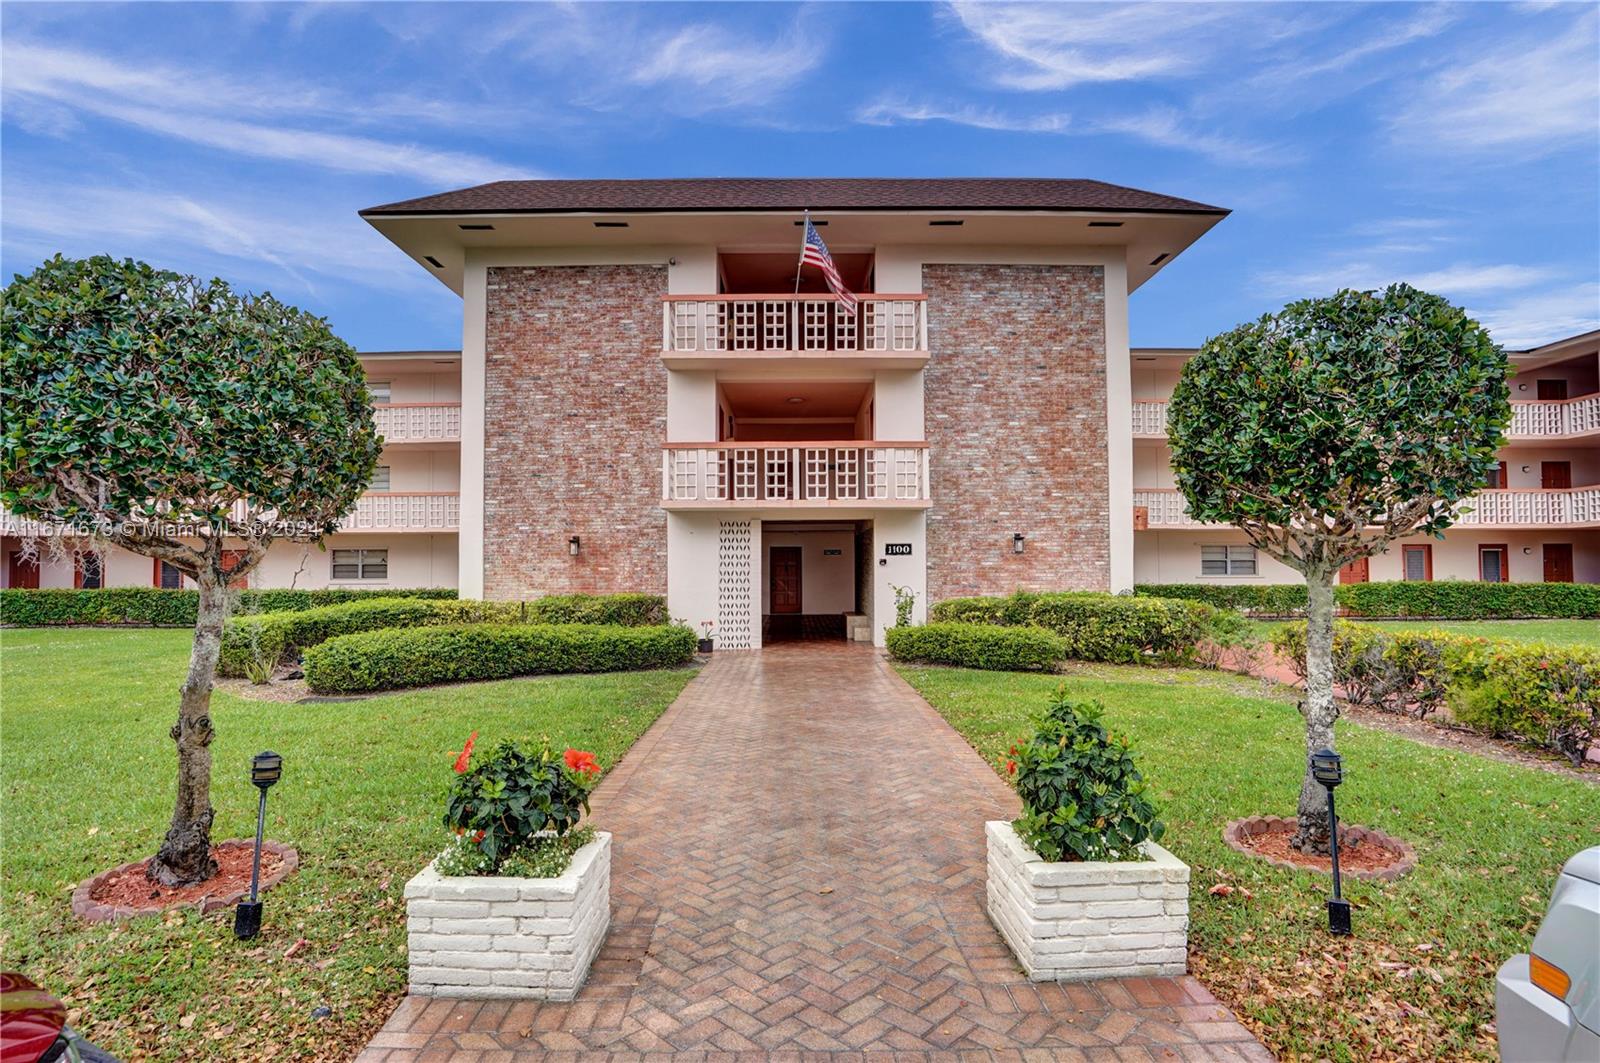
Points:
(1497, 479)
(167, 577)
(1493, 564)
(380, 479)
(361, 564)
(1227, 561)
(91, 572)
(379, 389)
(1418, 562)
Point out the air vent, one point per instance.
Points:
(948, 221)
(1162, 257)
(476, 228)
(610, 225)
(1105, 225)
(818, 224)
(435, 263)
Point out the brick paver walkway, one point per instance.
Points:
(798, 873)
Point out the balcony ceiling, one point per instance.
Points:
(770, 398)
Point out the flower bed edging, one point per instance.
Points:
(499, 937)
(85, 907)
(1071, 922)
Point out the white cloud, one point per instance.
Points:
(1367, 273)
(53, 84)
(888, 112)
(1541, 317)
(727, 69)
(1168, 128)
(1531, 95)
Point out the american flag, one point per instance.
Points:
(815, 252)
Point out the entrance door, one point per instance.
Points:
(1354, 572)
(1558, 562)
(23, 573)
(785, 579)
(1552, 390)
(1555, 474)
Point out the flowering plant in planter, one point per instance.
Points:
(519, 806)
(1082, 796)
(707, 627)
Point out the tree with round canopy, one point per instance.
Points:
(1325, 432)
(188, 423)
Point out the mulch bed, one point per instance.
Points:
(124, 892)
(1363, 852)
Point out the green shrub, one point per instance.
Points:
(1463, 600)
(265, 640)
(628, 610)
(1082, 796)
(502, 805)
(1268, 599)
(421, 656)
(987, 646)
(156, 607)
(1097, 627)
(1012, 610)
(1549, 695)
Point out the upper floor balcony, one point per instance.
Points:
(856, 474)
(375, 511)
(418, 422)
(1537, 507)
(1532, 420)
(709, 331)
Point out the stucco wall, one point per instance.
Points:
(827, 582)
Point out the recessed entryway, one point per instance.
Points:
(813, 580)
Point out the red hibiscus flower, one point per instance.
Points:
(478, 838)
(1011, 767)
(581, 762)
(466, 753)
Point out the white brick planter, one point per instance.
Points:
(1069, 922)
(492, 936)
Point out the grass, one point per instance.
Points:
(1417, 979)
(88, 784)
(1578, 632)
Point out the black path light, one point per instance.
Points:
(1327, 770)
(265, 769)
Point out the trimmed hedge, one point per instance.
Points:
(1095, 626)
(413, 657)
(628, 610)
(153, 606)
(1464, 600)
(987, 646)
(1261, 599)
(268, 638)
(1542, 693)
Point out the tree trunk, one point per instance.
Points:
(185, 854)
(1319, 710)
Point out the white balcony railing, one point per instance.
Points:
(1572, 507)
(421, 511)
(1562, 417)
(418, 422)
(756, 324)
(1530, 419)
(867, 472)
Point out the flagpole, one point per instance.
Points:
(805, 231)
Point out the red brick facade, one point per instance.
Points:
(1015, 401)
(575, 410)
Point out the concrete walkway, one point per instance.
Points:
(798, 871)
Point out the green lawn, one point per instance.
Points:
(1417, 980)
(1579, 632)
(88, 780)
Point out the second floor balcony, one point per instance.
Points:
(418, 422)
(822, 474)
(711, 330)
(1553, 420)
(1531, 508)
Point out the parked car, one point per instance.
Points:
(33, 1027)
(1547, 1001)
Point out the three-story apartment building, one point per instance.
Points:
(651, 397)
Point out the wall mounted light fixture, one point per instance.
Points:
(1525, 468)
(1527, 549)
(574, 544)
(1016, 542)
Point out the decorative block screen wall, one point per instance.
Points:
(736, 584)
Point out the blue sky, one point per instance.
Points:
(1456, 146)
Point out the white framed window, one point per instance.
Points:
(380, 392)
(1227, 560)
(360, 564)
(380, 479)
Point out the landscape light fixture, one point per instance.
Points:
(1327, 769)
(574, 544)
(265, 769)
(1017, 539)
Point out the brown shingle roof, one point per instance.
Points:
(724, 194)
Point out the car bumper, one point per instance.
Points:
(1535, 1027)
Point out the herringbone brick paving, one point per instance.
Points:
(798, 873)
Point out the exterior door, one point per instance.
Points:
(1552, 390)
(1555, 474)
(1558, 562)
(230, 558)
(1494, 563)
(1418, 560)
(785, 579)
(1354, 572)
(23, 573)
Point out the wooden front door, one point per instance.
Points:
(1552, 390)
(1354, 572)
(23, 572)
(785, 579)
(1555, 474)
(1558, 562)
